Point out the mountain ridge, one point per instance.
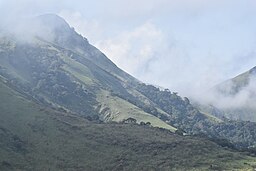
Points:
(89, 71)
(82, 80)
(241, 88)
(66, 106)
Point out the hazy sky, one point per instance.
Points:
(185, 45)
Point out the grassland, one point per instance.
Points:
(124, 110)
(211, 117)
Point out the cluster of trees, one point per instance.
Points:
(242, 133)
(181, 113)
(187, 118)
(134, 121)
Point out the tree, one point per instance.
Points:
(130, 120)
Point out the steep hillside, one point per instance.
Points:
(56, 67)
(59, 68)
(36, 138)
(68, 72)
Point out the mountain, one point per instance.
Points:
(240, 93)
(56, 87)
(238, 83)
(58, 68)
(63, 70)
(38, 138)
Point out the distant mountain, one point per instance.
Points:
(55, 67)
(240, 95)
(237, 84)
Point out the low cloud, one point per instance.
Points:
(228, 96)
(25, 30)
(186, 46)
(134, 51)
(89, 28)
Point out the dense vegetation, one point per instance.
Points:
(36, 138)
(185, 117)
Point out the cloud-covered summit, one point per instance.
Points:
(187, 46)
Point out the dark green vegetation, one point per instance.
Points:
(58, 92)
(185, 117)
(35, 138)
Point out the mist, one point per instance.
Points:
(235, 98)
(186, 46)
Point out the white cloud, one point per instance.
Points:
(133, 50)
(153, 57)
(243, 99)
(89, 28)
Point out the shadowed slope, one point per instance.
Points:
(34, 138)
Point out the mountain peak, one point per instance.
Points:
(253, 70)
(53, 21)
(45, 26)
(55, 29)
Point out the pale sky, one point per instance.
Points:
(184, 45)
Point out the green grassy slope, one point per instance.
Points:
(211, 117)
(117, 109)
(33, 138)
